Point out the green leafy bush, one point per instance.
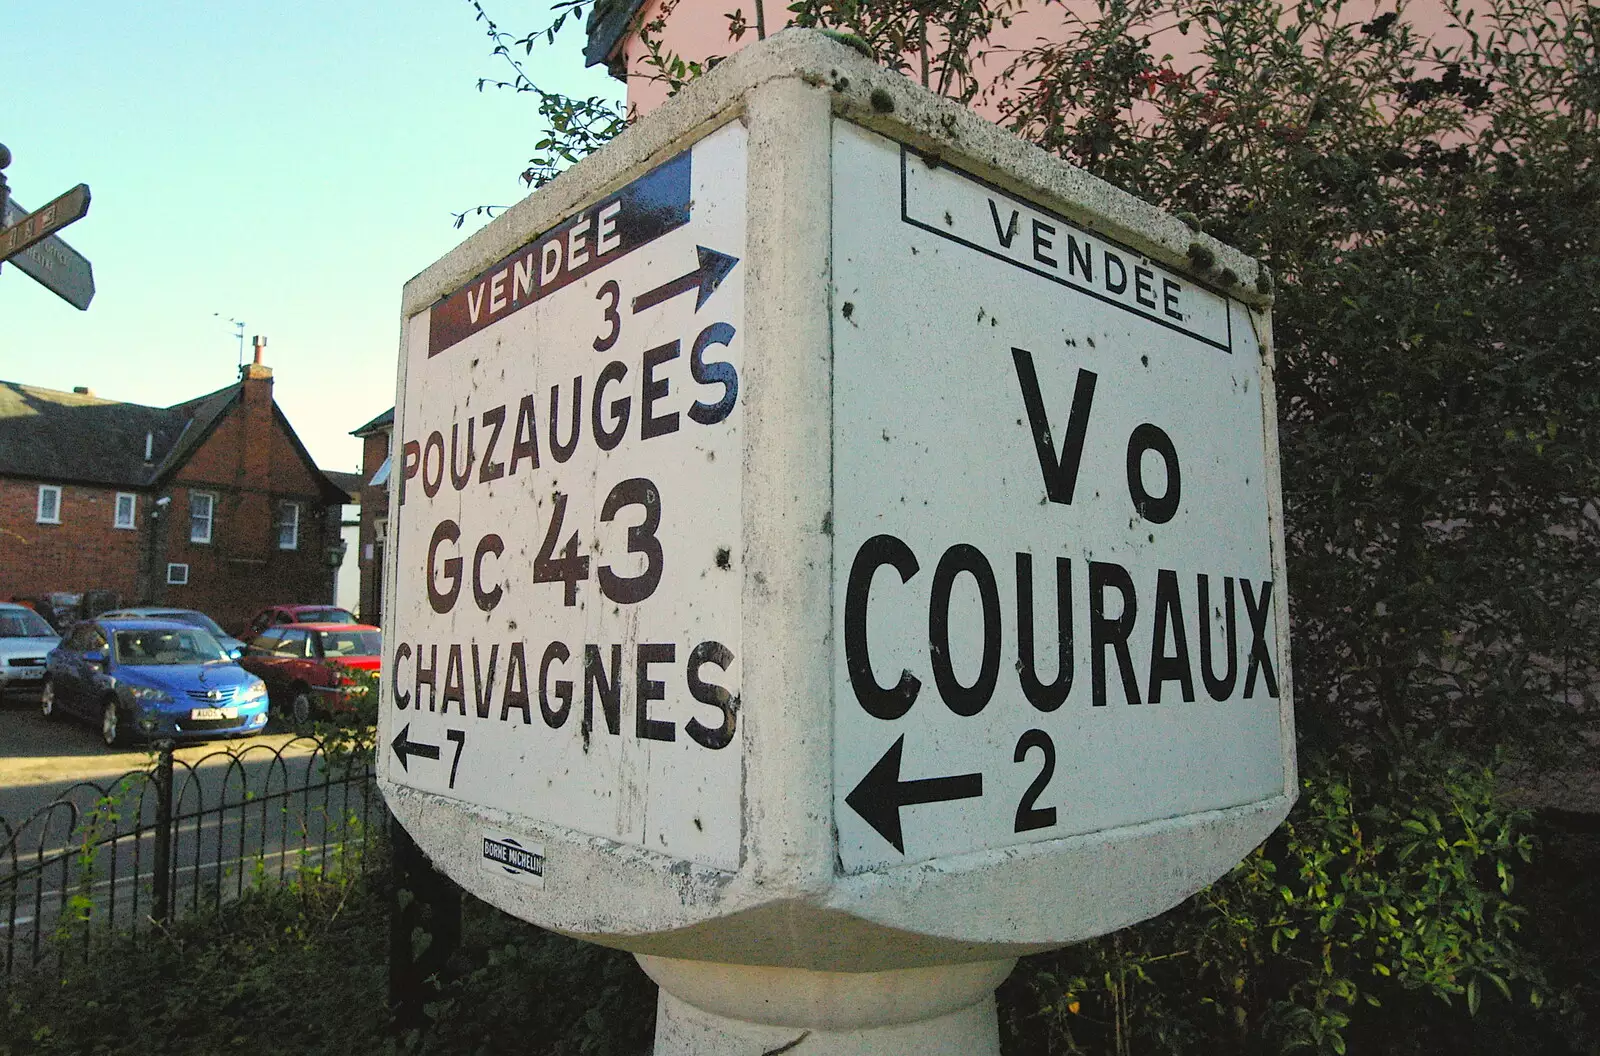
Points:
(1374, 894)
(573, 127)
(1337, 932)
(349, 735)
(287, 969)
(301, 970)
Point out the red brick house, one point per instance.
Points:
(377, 438)
(212, 504)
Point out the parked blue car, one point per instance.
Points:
(193, 617)
(153, 679)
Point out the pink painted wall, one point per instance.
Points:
(697, 29)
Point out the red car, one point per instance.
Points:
(275, 615)
(305, 665)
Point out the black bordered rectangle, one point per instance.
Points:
(509, 854)
(905, 217)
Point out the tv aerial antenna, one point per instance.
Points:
(238, 332)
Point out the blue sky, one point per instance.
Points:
(290, 164)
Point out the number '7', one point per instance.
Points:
(460, 739)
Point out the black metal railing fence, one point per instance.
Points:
(130, 854)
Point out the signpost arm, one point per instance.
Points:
(5, 190)
(28, 240)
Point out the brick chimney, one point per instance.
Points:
(257, 382)
(253, 515)
(258, 371)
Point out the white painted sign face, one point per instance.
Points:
(565, 646)
(1054, 607)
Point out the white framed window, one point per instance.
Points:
(178, 575)
(49, 511)
(127, 510)
(202, 506)
(288, 525)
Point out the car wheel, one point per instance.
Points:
(300, 706)
(111, 725)
(47, 700)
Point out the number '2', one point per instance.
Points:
(1030, 817)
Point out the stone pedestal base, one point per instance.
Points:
(707, 1009)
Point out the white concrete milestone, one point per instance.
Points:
(837, 550)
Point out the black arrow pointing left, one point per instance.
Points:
(404, 748)
(881, 794)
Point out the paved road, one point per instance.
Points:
(270, 829)
(40, 759)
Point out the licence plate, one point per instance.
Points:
(214, 713)
(27, 674)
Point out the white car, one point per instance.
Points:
(25, 639)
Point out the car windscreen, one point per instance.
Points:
(166, 646)
(323, 616)
(351, 643)
(24, 623)
(193, 619)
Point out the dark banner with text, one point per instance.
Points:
(640, 213)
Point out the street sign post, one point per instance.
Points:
(42, 223)
(53, 264)
(908, 598)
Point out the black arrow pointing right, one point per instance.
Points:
(708, 274)
(404, 748)
(881, 794)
